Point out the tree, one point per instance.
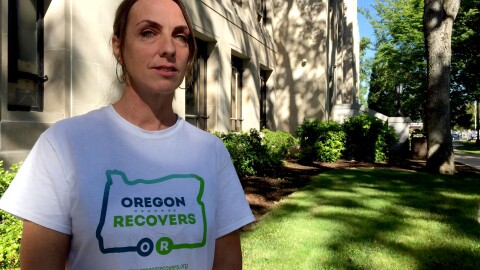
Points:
(438, 19)
(399, 58)
(466, 59)
(365, 69)
(465, 49)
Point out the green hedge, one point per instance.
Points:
(320, 141)
(368, 138)
(10, 227)
(363, 138)
(279, 144)
(255, 153)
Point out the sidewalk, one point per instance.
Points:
(465, 158)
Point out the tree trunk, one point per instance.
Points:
(438, 19)
(477, 118)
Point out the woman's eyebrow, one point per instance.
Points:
(182, 28)
(150, 23)
(159, 26)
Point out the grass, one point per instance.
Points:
(371, 219)
(469, 147)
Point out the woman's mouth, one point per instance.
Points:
(166, 71)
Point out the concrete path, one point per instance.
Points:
(469, 160)
(465, 158)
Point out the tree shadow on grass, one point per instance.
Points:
(373, 205)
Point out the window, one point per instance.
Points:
(238, 2)
(236, 95)
(196, 93)
(25, 55)
(263, 99)
(261, 12)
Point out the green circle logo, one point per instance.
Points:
(164, 245)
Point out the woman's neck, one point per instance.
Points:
(148, 113)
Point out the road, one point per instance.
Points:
(469, 160)
(465, 158)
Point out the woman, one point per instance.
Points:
(132, 185)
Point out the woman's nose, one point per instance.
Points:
(167, 47)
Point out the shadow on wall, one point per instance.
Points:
(201, 20)
(295, 41)
(349, 74)
(64, 84)
(19, 129)
(248, 48)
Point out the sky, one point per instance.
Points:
(366, 29)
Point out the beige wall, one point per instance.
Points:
(297, 45)
(93, 67)
(232, 30)
(300, 33)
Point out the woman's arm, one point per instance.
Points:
(43, 248)
(228, 252)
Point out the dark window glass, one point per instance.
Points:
(236, 95)
(196, 93)
(263, 99)
(25, 55)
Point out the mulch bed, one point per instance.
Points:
(263, 192)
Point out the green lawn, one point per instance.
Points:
(371, 219)
(469, 147)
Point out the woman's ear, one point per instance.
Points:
(117, 51)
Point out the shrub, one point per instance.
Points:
(331, 143)
(279, 143)
(308, 134)
(320, 141)
(368, 138)
(249, 155)
(10, 227)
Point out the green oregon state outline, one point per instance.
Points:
(139, 247)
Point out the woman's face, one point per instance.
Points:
(155, 51)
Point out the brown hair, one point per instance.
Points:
(120, 26)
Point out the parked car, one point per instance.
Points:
(473, 136)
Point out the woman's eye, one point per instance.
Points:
(147, 33)
(182, 38)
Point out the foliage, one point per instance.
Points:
(308, 133)
(365, 69)
(399, 58)
(320, 141)
(371, 219)
(462, 111)
(465, 82)
(250, 154)
(331, 144)
(465, 50)
(10, 227)
(368, 138)
(279, 143)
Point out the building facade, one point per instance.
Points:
(261, 63)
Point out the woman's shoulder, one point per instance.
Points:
(84, 122)
(201, 134)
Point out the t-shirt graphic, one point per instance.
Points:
(139, 215)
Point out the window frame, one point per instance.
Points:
(236, 97)
(199, 116)
(14, 74)
(263, 98)
(261, 9)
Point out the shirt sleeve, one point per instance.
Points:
(233, 211)
(40, 191)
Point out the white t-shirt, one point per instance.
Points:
(130, 198)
